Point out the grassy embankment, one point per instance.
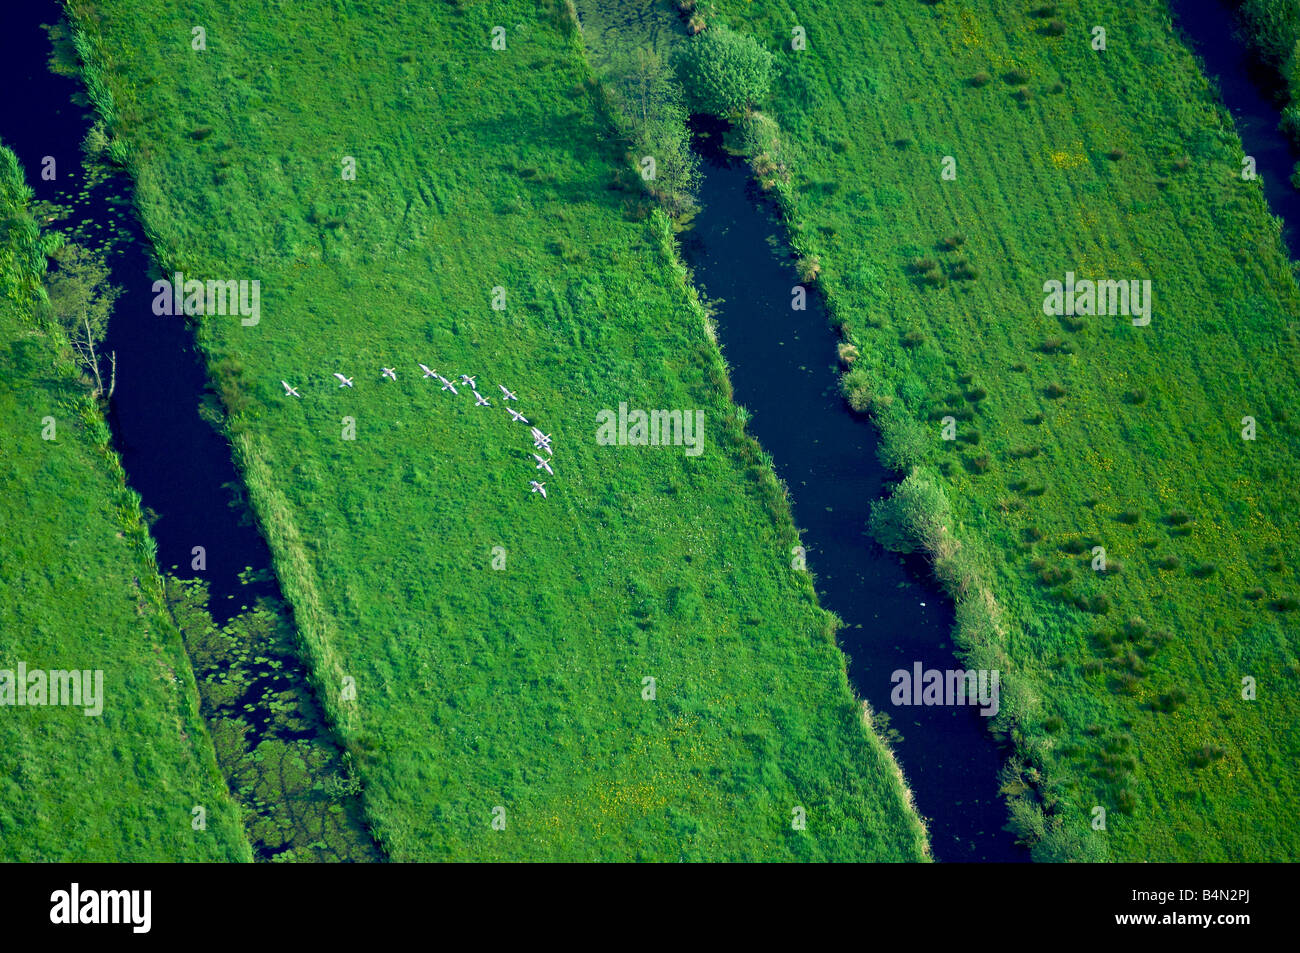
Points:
(476, 688)
(79, 590)
(1125, 686)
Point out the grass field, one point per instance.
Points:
(78, 590)
(481, 694)
(1125, 687)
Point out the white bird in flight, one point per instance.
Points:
(344, 381)
(427, 371)
(516, 415)
(538, 487)
(289, 391)
(389, 372)
(448, 385)
(481, 401)
(543, 464)
(506, 391)
(468, 381)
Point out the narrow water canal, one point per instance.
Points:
(273, 745)
(783, 370)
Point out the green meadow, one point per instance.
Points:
(79, 590)
(1162, 689)
(627, 669)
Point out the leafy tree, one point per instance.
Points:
(724, 72)
(647, 103)
(82, 301)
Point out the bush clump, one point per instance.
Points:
(964, 271)
(913, 517)
(724, 72)
(1204, 756)
(1171, 700)
(856, 388)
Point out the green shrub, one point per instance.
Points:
(724, 72)
(1204, 756)
(912, 517)
(1056, 575)
(1171, 700)
(856, 388)
(965, 271)
(1097, 605)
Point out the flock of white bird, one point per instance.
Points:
(541, 441)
